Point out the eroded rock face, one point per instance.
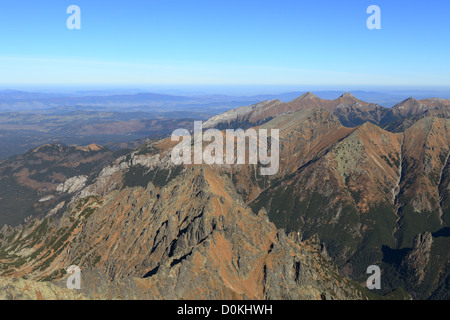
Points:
(417, 260)
(193, 238)
(73, 184)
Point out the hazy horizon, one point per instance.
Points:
(212, 89)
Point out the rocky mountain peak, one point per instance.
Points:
(307, 96)
(369, 126)
(407, 103)
(418, 258)
(346, 100)
(410, 106)
(348, 95)
(409, 100)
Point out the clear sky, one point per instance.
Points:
(282, 42)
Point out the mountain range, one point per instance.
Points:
(358, 185)
(169, 101)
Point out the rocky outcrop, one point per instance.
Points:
(193, 238)
(72, 185)
(417, 260)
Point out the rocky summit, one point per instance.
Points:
(358, 185)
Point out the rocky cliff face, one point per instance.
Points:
(418, 258)
(191, 238)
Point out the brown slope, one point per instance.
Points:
(341, 107)
(425, 154)
(353, 112)
(372, 191)
(309, 100)
(406, 113)
(192, 238)
(350, 111)
(339, 195)
(412, 106)
(369, 160)
(305, 101)
(244, 117)
(349, 99)
(305, 136)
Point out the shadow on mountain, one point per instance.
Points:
(394, 256)
(444, 232)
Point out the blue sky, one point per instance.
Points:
(225, 42)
